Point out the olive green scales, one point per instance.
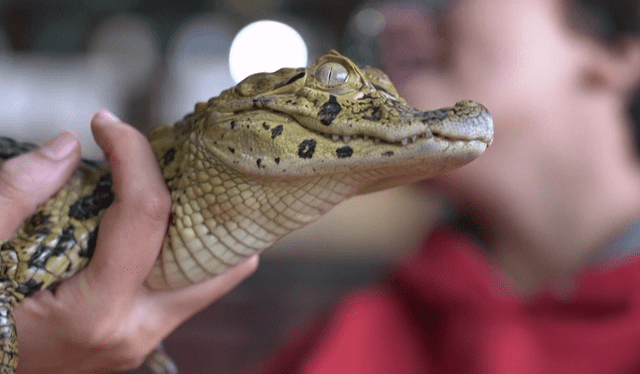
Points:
(264, 158)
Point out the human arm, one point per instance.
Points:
(103, 317)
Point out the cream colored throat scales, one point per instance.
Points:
(264, 158)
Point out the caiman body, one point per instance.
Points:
(264, 158)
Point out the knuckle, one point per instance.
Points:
(154, 204)
(123, 349)
(98, 335)
(96, 329)
(131, 352)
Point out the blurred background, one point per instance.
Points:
(149, 62)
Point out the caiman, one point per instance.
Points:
(262, 159)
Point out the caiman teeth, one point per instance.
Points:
(405, 141)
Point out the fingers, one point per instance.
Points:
(134, 226)
(31, 179)
(133, 230)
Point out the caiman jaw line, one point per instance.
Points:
(408, 140)
(412, 139)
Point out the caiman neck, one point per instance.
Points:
(221, 217)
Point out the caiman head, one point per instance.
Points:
(280, 149)
(334, 118)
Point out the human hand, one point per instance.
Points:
(103, 318)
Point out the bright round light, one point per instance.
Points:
(370, 22)
(266, 46)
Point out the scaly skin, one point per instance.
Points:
(262, 159)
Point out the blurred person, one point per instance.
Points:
(558, 77)
(542, 277)
(540, 273)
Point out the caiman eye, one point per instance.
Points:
(332, 74)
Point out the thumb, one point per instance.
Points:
(31, 179)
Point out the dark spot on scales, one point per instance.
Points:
(329, 111)
(29, 287)
(169, 156)
(437, 114)
(277, 160)
(91, 205)
(265, 126)
(276, 131)
(233, 124)
(65, 243)
(37, 225)
(233, 150)
(380, 88)
(10, 148)
(344, 152)
(295, 78)
(261, 102)
(375, 114)
(259, 162)
(387, 153)
(307, 148)
(42, 254)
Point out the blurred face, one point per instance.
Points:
(561, 176)
(519, 58)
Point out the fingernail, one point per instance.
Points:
(105, 117)
(61, 146)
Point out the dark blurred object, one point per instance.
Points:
(18, 19)
(612, 21)
(26, 21)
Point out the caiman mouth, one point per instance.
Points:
(478, 127)
(427, 135)
(412, 139)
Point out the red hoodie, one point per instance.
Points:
(449, 310)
